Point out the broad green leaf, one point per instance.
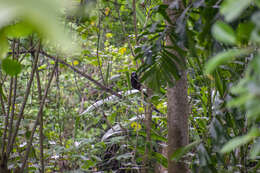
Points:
(224, 33)
(224, 57)
(183, 150)
(11, 67)
(244, 31)
(238, 141)
(232, 9)
(44, 17)
(20, 29)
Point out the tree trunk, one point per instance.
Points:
(177, 114)
(177, 122)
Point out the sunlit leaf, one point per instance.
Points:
(44, 66)
(109, 35)
(136, 126)
(75, 62)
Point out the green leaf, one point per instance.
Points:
(2, 93)
(255, 18)
(238, 141)
(3, 45)
(244, 31)
(232, 9)
(224, 57)
(239, 101)
(160, 159)
(140, 16)
(224, 33)
(44, 17)
(219, 83)
(183, 150)
(257, 2)
(255, 151)
(11, 67)
(21, 29)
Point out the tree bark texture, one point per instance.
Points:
(177, 113)
(177, 116)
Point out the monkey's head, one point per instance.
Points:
(134, 75)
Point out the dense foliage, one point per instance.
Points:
(66, 98)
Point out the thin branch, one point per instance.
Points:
(27, 92)
(12, 111)
(38, 117)
(135, 23)
(7, 114)
(98, 42)
(4, 113)
(15, 56)
(83, 74)
(41, 121)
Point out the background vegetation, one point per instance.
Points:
(67, 103)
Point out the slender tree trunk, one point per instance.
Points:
(177, 122)
(177, 114)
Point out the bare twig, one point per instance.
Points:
(38, 117)
(84, 75)
(41, 121)
(7, 114)
(12, 111)
(27, 92)
(4, 113)
(135, 23)
(98, 42)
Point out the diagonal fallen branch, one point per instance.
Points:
(83, 74)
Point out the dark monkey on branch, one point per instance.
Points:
(137, 85)
(135, 81)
